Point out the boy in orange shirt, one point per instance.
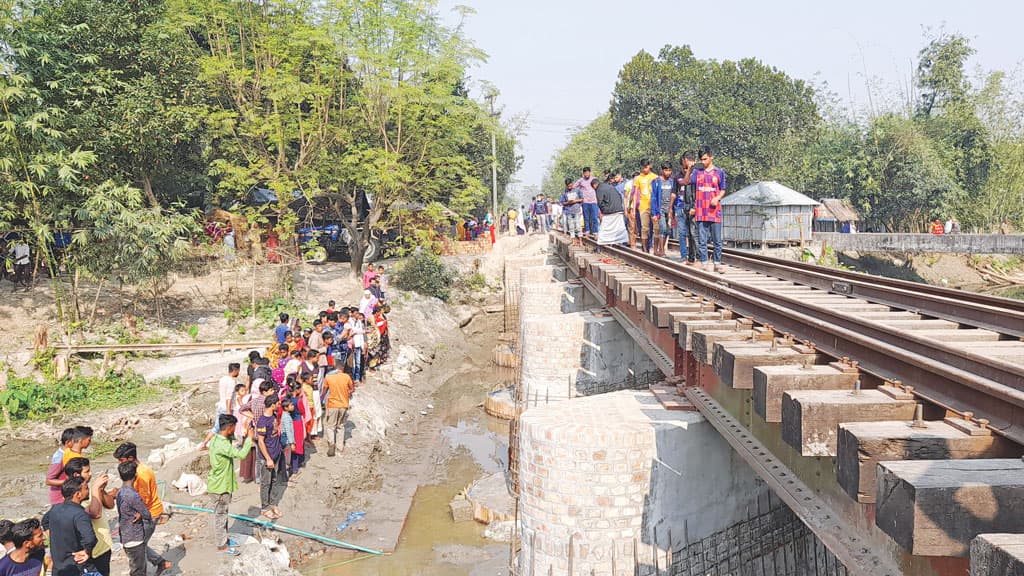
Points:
(338, 388)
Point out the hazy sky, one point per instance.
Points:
(558, 60)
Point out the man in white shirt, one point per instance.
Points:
(225, 398)
(357, 328)
(226, 389)
(21, 256)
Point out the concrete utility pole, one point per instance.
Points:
(494, 158)
(494, 176)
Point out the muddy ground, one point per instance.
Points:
(416, 433)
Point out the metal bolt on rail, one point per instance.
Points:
(918, 417)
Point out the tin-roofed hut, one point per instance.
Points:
(836, 215)
(767, 213)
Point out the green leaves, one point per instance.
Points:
(746, 111)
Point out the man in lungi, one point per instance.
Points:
(613, 226)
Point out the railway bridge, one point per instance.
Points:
(776, 418)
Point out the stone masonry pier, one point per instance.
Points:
(607, 472)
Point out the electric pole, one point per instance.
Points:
(494, 158)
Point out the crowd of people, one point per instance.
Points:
(644, 210)
(297, 392)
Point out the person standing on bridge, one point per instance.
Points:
(629, 197)
(682, 211)
(662, 197)
(642, 189)
(591, 214)
(613, 226)
(572, 209)
(709, 182)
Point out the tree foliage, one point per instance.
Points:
(599, 146)
(119, 117)
(747, 111)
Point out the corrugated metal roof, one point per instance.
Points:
(768, 194)
(838, 209)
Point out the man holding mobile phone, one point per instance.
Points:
(222, 482)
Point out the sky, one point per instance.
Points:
(556, 61)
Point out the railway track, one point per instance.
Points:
(1003, 315)
(958, 350)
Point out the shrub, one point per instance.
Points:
(27, 399)
(475, 282)
(425, 273)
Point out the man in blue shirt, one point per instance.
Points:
(282, 328)
(28, 554)
(662, 199)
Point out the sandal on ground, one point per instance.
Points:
(229, 551)
(269, 515)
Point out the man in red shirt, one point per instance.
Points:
(710, 189)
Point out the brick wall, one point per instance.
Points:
(584, 480)
(510, 281)
(549, 347)
(481, 245)
(541, 274)
(602, 472)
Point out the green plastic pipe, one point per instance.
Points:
(285, 529)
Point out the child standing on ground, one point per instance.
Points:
(55, 474)
(135, 523)
(287, 434)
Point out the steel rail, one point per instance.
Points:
(1003, 315)
(941, 374)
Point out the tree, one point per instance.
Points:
(410, 123)
(940, 73)
(361, 103)
(1002, 195)
(129, 243)
(41, 172)
(748, 112)
(128, 82)
(948, 112)
(597, 145)
(912, 185)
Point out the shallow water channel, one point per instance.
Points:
(431, 544)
